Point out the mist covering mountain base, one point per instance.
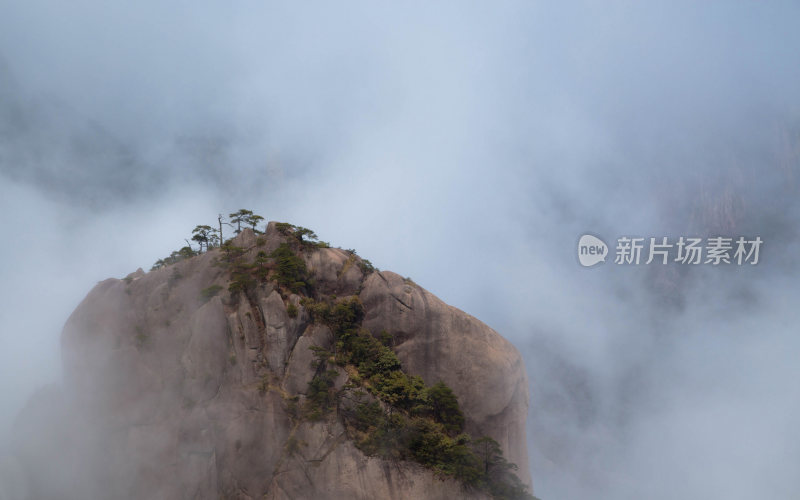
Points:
(273, 366)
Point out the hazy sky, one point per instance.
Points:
(468, 146)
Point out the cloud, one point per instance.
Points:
(464, 145)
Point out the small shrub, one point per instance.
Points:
(366, 266)
(207, 293)
(142, 337)
(176, 256)
(241, 280)
(321, 355)
(231, 251)
(263, 385)
(321, 397)
(442, 406)
(379, 434)
(291, 310)
(284, 228)
(261, 265)
(290, 270)
(292, 445)
(292, 407)
(302, 235)
(341, 317)
(174, 277)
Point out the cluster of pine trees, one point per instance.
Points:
(208, 237)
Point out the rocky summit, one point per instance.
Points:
(274, 367)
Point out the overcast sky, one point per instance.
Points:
(468, 146)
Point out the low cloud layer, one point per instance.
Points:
(467, 147)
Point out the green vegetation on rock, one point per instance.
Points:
(386, 411)
(394, 415)
(210, 237)
(207, 293)
(304, 236)
(176, 256)
(290, 269)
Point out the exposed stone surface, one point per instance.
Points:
(439, 342)
(169, 394)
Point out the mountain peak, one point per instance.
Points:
(274, 366)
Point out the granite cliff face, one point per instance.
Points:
(175, 387)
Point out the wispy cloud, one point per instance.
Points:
(467, 146)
